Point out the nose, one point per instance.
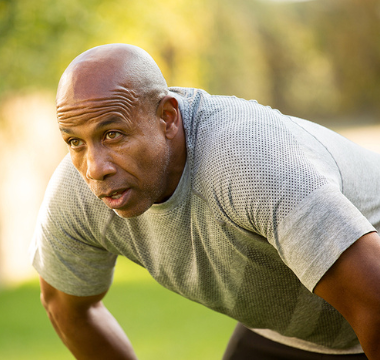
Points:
(99, 165)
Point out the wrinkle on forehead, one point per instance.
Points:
(115, 78)
(121, 102)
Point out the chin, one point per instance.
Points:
(131, 213)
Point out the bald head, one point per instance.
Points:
(108, 73)
(123, 129)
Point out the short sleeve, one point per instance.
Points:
(268, 176)
(315, 233)
(66, 249)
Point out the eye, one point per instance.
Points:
(112, 135)
(75, 143)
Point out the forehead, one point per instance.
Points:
(94, 125)
(91, 78)
(92, 87)
(119, 103)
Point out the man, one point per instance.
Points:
(261, 216)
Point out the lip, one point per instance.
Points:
(119, 202)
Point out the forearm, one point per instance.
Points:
(351, 285)
(367, 329)
(93, 335)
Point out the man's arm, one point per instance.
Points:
(352, 286)
(85, 326)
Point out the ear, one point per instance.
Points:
(170, 116)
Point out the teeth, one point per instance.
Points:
(115, 195)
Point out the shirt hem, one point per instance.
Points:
(305, 345)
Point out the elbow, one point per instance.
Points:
(47, 302)
(59, 309)
(366, 324)
(44, 302)
(51, 301)
(47, 295)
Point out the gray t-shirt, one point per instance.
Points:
(266, 204)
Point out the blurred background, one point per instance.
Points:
(318, 59)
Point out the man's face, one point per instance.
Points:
(123, 158)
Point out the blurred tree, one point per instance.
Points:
(316, 58)
(39, 38)
(348, 33)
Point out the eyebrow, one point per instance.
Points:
(104, 123)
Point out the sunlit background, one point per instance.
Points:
(319, 60)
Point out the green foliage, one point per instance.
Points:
(311, 58)
(39, 39)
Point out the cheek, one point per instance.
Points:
(156, 157)
(149, 153)
(143, 158)
(79, 163)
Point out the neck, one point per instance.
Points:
(178, 157)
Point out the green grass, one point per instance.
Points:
(160, 324)
(25, 331)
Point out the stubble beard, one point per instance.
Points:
(152, 194)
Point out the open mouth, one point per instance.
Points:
(117, 199)
(116, 194)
